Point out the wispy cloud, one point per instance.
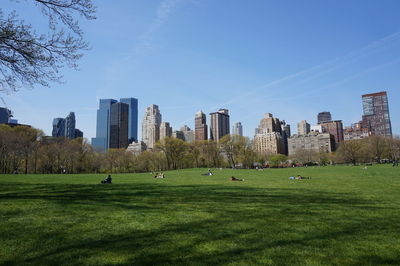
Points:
(164, 11)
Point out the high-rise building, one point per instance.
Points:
(303, 128)
(70, 125)
(285, 129)
(102, 140)
(58, 127)
(132, 118)
(165, 130)
(237, 129)
(151, 126)
(324, 117)
(335, 128)
(268, 138)
(5, 115)
(178, 135)
(119, 116)
(376, 116)
(219, 124)
(200, 126)
(78, 133)
(188, 134)
(65, 127)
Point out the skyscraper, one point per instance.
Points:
(65, 127)
(119, 115)
(303, 128)
(268, 138)
(200, 126)
(237, 129)
(324, 117)
(70, 125)
(376, 116)
(335, 128)
(4, 115)
(219, 124)
(188, 134)
(151, 126)
(165, 130)
(58, 127)
(133, 118)
(102, 140)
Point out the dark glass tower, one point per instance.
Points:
(119, 113)
(58, 127)
(70, 125)
(376, 116)
(133, 118)
(324, 117)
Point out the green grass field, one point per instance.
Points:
(342, 216)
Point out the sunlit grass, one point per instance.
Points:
(342, 215)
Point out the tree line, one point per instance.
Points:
(27, 150)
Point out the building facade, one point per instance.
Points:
(268, 137)
(102, 140)
(324, 117)
(376, 118)
(314, 141)
(165, 130)
(58, 127)
(5, 115)
(132, 118)
(151, 126)
(103, 127)
(119, 121)
(136, 147)
(200, 126)
(303, 128)
(237, 129)
(335, 128)
(188, 134)
(65, 127)
(219, 124)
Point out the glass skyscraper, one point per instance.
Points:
(376, 116)
(133, 118)
(58, 127)
(103, 129)
(119, 114)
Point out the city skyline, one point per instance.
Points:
(278, 61)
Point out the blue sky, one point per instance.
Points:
(290, 58)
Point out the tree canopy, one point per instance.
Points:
(29, 57)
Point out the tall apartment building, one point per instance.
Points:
(200, 126)
(102, 140)
(66, 127)
(285, 129)
(303, 128)
(376, 118)
(119, 121)
(324, 117)
(335, 128)
(188, 134)
(237, 129)
(268, 138)
(151, 126)
(165, 130)
(219, 124)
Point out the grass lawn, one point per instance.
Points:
(342, 216)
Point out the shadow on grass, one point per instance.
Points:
(210, 225)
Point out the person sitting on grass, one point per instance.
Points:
(107, 180)
(236, 179)
(209, 173)
(160, 175)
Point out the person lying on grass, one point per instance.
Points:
(298, 177)
(209, 173)
(236, 179)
